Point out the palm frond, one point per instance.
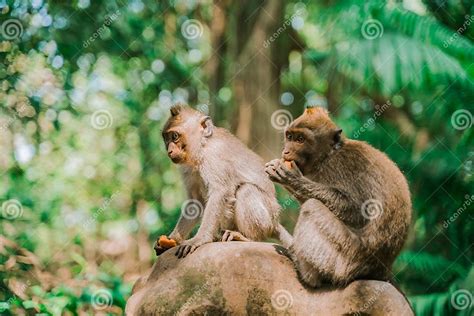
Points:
(428, 30)
(452, 302)
(346, 20)
(430, 267)
(395, 63)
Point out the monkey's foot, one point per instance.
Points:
(189, 246)
(184, 250)
(230, 235)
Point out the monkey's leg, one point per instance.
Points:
(227, 220)
(325, 243)
(281, 233)
(308, 249)
(253, 213)
(283, 236)
(308, 273)
(230, 235)
(209, 224)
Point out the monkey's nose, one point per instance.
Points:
(286, 152)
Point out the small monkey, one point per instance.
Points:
(355, 203)
(226, 177)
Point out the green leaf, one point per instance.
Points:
(4, 306)
(30, 304)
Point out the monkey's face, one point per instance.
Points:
(307, 145)
(309, 138)
(298, 146)
(184, 133)
(175, 145)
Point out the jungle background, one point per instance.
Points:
(85, 86)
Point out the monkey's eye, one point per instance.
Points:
(174, 137)
(289, 137)
(300, 139)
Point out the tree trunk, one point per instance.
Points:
(250, 68)
(256, 83)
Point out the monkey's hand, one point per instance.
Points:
(279, 172)
(158, 249)
(189, 246)
(270, 169)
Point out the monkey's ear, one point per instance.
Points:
(337, 138)
(207, 125)
(176, 109)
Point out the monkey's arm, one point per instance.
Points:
(183, 228)
(303, 188)
(190, 213)
(209, 223)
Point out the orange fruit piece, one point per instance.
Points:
(166, 243)
(288, 164)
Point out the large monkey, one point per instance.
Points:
(356, 206)
(226, 177)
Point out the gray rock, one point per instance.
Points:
(250, 278)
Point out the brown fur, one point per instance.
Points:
(226, 177)
(332, 178)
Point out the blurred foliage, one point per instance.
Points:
(95, 193)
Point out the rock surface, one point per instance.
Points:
(249, 278)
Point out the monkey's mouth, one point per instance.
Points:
(297, 163)
(176, 160)
(289, 158)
